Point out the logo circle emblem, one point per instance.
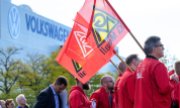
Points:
(14, 22)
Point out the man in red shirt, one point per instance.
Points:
(175, 92)
(153, 88)
(125, 93)
(104, 95)
(77, 97)
(122, 68)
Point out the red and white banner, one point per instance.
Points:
(97, 30)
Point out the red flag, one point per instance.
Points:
(106, 30)
(96, 31)
(82, 73)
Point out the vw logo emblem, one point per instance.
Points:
(14, 22)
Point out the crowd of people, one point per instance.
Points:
(140, 84)
(9, 103)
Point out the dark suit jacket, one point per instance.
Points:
(46, 99)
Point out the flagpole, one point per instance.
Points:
(91, 20)
(132, 35)
(123, 61)
(135, 39)
(114, 65)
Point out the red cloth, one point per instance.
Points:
(78, 99)
(117, 82)
(90, 41)
(131, 87)
(116, 88)
(175, 92)
(171, 72)
(102, 98)
(125, 93)
(153, 88)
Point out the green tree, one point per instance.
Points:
(10, 69)
(168, 60)
(36, 78)
(57, 70)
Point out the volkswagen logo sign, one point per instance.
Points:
(14, 22)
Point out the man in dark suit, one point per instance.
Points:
(49, 97)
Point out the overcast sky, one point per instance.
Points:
(143, 17)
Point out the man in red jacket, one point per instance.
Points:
(153, 88)
(176, 90)
(122, 68)
(125, 93)
(104, 96)
(77, 97)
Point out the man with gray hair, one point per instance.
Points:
(153, 88)
(21, 101)
(2, 104)
(104, 95)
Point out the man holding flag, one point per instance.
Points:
(153, 88)
(126, 86)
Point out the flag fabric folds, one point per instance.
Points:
(97, 30)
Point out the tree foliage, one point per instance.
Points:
(10, 69)
(168, 60)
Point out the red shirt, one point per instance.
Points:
(78, 99)
(125, 93)
(102, 98)
(116, 89)
(171, 72)
(153, 88)
(175, 92)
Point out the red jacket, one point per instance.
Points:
(117, 81)
(78, 99)
(175, 92)
(153, 88)
(126, 92)
(116, 89)
(102, 98)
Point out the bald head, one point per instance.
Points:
(104, 79)
(107, 82)
(122, 67)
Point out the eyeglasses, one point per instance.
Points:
(160, 45)
(111, 81)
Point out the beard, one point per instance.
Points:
(86, 86)
(111, 89)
